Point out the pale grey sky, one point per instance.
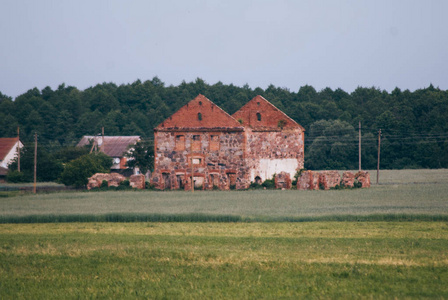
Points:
(326, 43)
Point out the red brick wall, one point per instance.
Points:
(187, 116)
(269, 114)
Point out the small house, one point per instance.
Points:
(113, 146)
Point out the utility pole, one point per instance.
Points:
(35, 162)
(378, 164)
(359, 153)
(192, 175)
(18, 148)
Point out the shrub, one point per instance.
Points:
(269, 183)
(255, 185)
(149, 186)
(48, 168)
(356, 185)
(104, 184)
(79, 170)
(16, 177)
(125, 183)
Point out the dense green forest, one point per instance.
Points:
(414, 124)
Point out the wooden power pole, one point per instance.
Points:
(359, 152)
(378, 164)
(18, 148)
(35, 162)
(192, 175)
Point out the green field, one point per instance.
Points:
(224, 260)
(238, 257)
(414, 194)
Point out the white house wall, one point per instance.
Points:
(266, 168)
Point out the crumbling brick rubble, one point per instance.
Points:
(312, 180)
(283, 181)
(113, 179)
(308, 180)
(329, 179)
(137, 181)
(364, 178)
(348, 179)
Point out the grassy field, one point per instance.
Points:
(224, 260)
(409, 193)
(232, 260)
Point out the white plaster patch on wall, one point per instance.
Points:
(268, 167)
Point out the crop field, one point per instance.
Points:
(414, 194)
(224, 260)
(388, 241)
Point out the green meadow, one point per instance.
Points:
(389, 241)
(403, 195)
(224, 260)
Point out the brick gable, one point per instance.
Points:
(259, 113)
(199, 113)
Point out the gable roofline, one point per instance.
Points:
(274, 107)
(201, 97)
(115, 146)
(6, 145)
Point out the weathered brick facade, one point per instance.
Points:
(275, 142)
(224, 153)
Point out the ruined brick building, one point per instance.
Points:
(223, 151)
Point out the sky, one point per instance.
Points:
(323, 43)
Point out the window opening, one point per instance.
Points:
(214, 142)
(166, 180)
(180, 181)
(199, 116)
(258, 116)
(196, 143)
(180, 143)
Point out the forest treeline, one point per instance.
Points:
(414, 125)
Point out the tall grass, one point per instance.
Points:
(404, 201)
(207, 218)
(371, 260)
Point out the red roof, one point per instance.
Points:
(6, 145)
(199, 113)
(114, 146)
